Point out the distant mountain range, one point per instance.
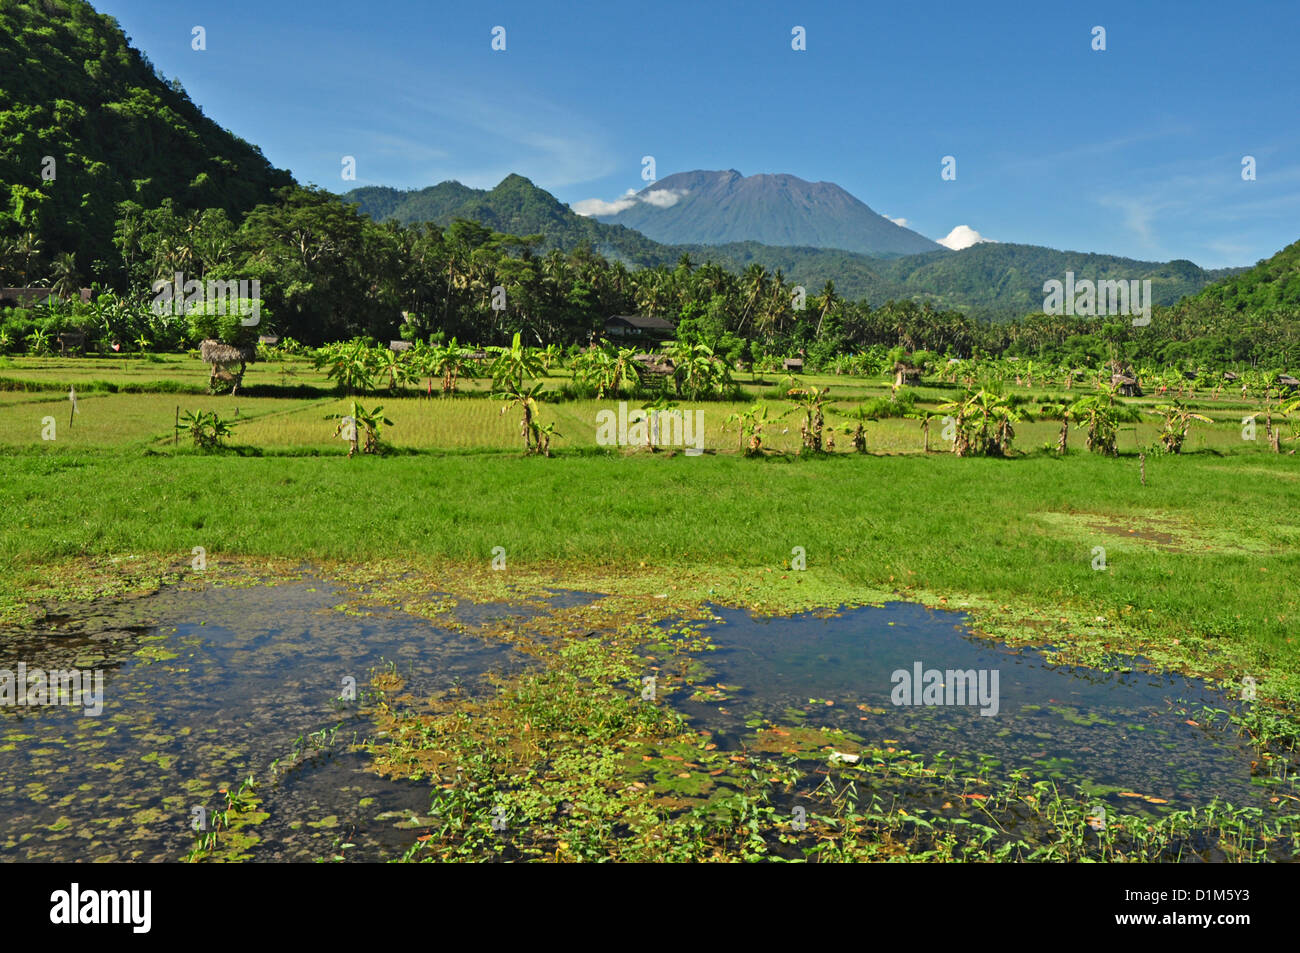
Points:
(988, 280)
(714, 208)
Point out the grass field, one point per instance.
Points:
(1202, 559)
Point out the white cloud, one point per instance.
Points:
(593, 207)
(901, 222)
(659, 198)
(963, 236)
(663, 198)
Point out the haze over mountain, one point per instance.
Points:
(714, 208)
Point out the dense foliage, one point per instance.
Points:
(148, 189)
(74, 90)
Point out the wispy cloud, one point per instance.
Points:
(659, 198)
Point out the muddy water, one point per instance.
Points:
(216, 685)
(1107, 733)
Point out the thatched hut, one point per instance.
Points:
(905, 374)
(792, 364)
(224, 358)
(1125, 385)
(1288, 382)
(654, 365)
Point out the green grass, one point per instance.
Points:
(1016, 531)
(1201, 568)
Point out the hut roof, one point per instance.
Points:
(217, 352)
(638, 322)
(1286, 380)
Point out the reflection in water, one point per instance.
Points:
(1123, 730)
(225, 683)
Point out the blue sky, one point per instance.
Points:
(1133, 151)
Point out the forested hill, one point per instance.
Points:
(998, 279)
(991, 280)
(72, 87)
(517, 207)
(1273, 285)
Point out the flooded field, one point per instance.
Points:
(206, 687)
(1134, 738)
(223, 683)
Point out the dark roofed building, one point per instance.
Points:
(29, 297)
(638, 326)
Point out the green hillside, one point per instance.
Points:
(990, 280)
(1272, 285)
(72, 88)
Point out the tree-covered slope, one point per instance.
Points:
(988, 280)
(73, 88)
(1272, 285)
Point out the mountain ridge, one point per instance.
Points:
(714, 207)
(994, 280)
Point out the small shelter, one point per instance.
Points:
(1288, 381)
(638, 326)
(905, 374)
(268, 340)
(397, 347)
(654, 365)
(30, 297)
(792, 364)
(224, 358)
(1126, 385)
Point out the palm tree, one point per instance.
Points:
(67, 283)
(27, 247)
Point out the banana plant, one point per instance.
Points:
(926, 417)
(751, 421)
(537, 438)
(360, 422)
(1177, 421)
(810, 401)
(1098, 413)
